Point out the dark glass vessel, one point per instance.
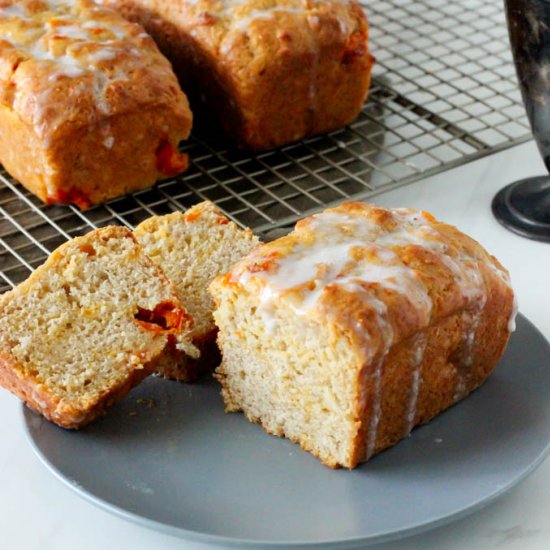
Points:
(524, 206)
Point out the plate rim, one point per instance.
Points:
(227, 541)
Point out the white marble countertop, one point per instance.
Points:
(38, 512)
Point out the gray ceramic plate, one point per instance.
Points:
(180, 465)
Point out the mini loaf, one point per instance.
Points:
(87, 326)
(359, 325)
(268, 71)
(89, 107)
(192, 249)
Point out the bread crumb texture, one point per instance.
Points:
(193, 248)
(87, 326)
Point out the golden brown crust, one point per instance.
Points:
(341, 306)
(441, 372)
(89, 108)
(269, 72)
(65, 416)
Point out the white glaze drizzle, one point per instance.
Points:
(243, 23)
(505, 278)
(104, 54)
(466, 273)
(419, 347)
(241, 13)
(310, 270)
(68, 30)
(108, 142)
(328, 261)
(471, 319)
(376, 375)
(69, 64)
(375, 413)
(512, 320)
(117, 32)
(14, 10)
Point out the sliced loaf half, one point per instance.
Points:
(359, 325)
(87, 326)
(193, 248)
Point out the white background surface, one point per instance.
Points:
(38, 512)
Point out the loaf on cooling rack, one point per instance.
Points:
(193, 248)
(359, 325)
(87, 326)
(269, 71)
(89, 107)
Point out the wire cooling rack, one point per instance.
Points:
(444, 93)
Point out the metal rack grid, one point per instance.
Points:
(444, 93)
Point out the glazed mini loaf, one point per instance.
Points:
(87, 326)
(269, 71)
(192, 248)
(89, 107)
(359, 325)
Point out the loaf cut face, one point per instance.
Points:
(268, 72)
(361, 324)
(89, 107)
(193, 248)
(87, 326)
